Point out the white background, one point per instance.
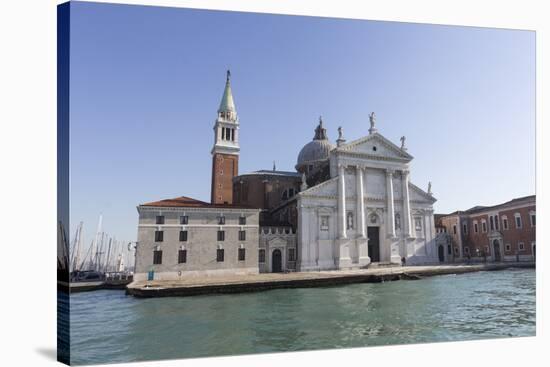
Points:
(28, 180)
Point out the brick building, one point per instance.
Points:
(267, 190)
(503, 232)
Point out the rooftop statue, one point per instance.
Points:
(372, 119)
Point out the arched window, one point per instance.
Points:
(349, 220)
(220, 253)
(241, 252)
(505, 222)
(518, 220)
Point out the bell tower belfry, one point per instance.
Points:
(225, 152)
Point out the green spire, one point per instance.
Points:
(227, 103)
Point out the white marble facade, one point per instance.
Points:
(368, 211)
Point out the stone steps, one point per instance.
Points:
(383, 265)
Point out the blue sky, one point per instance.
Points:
(146, 83)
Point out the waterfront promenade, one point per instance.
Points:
(267, 281)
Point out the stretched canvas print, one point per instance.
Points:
(238, 183)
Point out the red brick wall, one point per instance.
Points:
(448, 223)
(224, 168)
(514, 236)
(480, 240)
(262, 191)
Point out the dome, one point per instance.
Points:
(314, 151)
(317, 149)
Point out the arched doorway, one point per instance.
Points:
(496, 250)
(441, 253)
(276, 261)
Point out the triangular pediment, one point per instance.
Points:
(417, 194)
(375, 146)
(327, 188)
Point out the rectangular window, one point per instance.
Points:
(496, 222)
(221, 220)
(159, 236)
(242, 252)
(261, 256)
(242, 221)
(221, 235)
(533, 220)
(184, 219)
(476, 229)
(232, 134)
(454, 229)
(521, 246)
(492, 223)
(483, 227)
(219, 255)
(324, 223)
(466, 250)
(518, 221)
(160, 219)
(465, 228)
(242, 235)
(508, 247)
(183, 236)
(291, 254)
(182, 256)
(505, 223)
(157, 257)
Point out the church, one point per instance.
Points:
(346, 206)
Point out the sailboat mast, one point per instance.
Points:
(93, 252)
(77, 247)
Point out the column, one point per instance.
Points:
(390, 208)
(341, 202)
(406, 204)
(360, 202)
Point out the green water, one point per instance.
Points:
(108, 326)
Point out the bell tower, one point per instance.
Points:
(225, 152)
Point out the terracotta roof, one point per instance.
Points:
(187, 202)
(481, 208)
(271, 173)
(477, 209)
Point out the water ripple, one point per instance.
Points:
(107, 326)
